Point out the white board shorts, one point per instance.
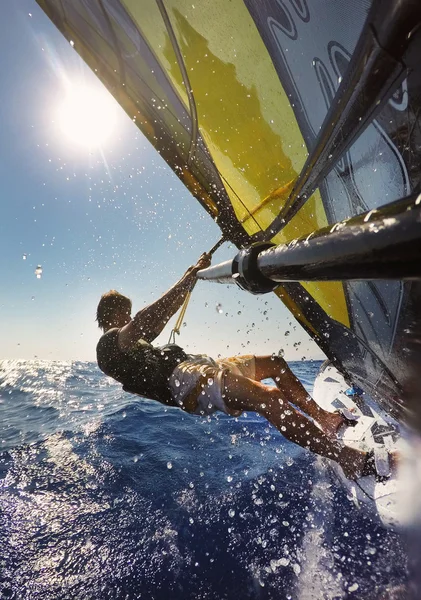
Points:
(197, 384)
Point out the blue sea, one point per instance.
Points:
(105, 495)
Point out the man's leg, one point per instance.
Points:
(241, 393)
(276, 368)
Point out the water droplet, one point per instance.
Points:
(177, 383)
(231, 512)
(219, 308)
(169, 465)
(287, 333)
(239, 312)
(38, 271)
(229, 478)
(72, 43)
(210, 381)
(24, 256)
(281, 353)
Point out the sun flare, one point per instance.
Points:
(87, 116)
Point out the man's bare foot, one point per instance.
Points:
(332, 422)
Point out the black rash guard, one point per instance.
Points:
(144, 369)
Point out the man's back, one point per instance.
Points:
(143, 370)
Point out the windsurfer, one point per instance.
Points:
(201, 385)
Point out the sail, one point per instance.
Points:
(233, 96)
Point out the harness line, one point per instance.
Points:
(176, 329)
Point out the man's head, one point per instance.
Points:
(113, 310)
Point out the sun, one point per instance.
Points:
(87, 116)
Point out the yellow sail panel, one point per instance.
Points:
(244, 116)
(330, 295)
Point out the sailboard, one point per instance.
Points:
(374, 430)
(283, 118)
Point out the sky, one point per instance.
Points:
(108, 216)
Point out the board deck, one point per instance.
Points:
(374, 430)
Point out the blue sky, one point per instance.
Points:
(96, 219)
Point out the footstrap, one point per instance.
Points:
(349, 417)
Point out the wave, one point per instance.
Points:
(106, 495)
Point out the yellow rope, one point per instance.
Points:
(182, 312)
(176, 329)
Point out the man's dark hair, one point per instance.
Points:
(110, 303)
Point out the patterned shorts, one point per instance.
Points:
(197, 384)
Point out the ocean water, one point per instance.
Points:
(104, 495)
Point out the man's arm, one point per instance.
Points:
(151, 320)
